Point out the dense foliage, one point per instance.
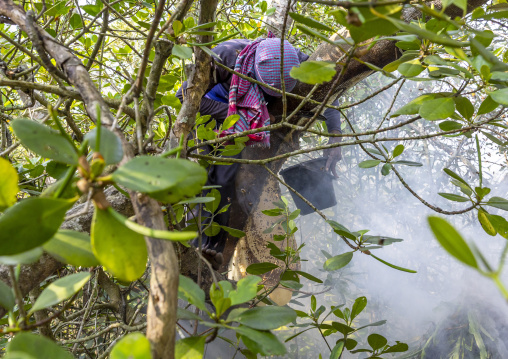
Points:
(90, 123)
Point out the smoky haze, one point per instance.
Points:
(413, 304)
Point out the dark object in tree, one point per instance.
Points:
(311, 180)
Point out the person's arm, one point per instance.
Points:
(333, 123)
(218, 110)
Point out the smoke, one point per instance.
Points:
(413, 304)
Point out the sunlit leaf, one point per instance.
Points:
(35, 345)
(8, 184)
(132, 346)
(72, 248)
(190, 348)
(313, 72)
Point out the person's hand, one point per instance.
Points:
(333, 155)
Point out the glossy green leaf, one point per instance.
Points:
(385, 170)
(500, 96)
(464, 106)
(44, 141)
(488, 105)
(397, 348)
(454, 197)
(411, 68)
(8, 184)
(35, 345)
(230, 121)
(397, 151)
(498, 202)
(121, 250)
(499, 223)
(310, 22)
(376, 341)
(183, 52)
(7, 300)
(437, 109)
(45, 215)
(110, 145)
(132, 346)
(413, 107)
(165, 179)
(313, 72)
(246, 289)
(71, 247)
(485, 222)
(60, 290)
(452, 241)
(369, 163)
(191, 292)
(338, 262)
(261, 268)
(234, 232)
(190, 348)
(308, 276)
(267, 318)
(337, 350)
(358, 306)
(259, 341)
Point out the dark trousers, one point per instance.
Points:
(224, 176)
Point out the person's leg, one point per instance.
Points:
(223, 176)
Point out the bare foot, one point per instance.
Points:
(215, 258)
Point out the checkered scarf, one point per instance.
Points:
(246, 98)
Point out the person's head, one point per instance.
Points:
(267, 65)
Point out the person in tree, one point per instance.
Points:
(229, 94)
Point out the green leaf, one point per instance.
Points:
(308, 276)
(75, 21)
(310, 22)
(60, 290)
(121, 250)
(408, 163)
(411, 68)
(72, 248)
(452, 241)
(413, 107)
(337, 350)
(44, 141)
(376, 341)
(261, 268)
(313, 72)
(26, 258)
(246, 289)
(275, 212)
(392, 265)
(338, 262)
(438, 109)
(234, 232)
(45, 216)
(267, 318)
(426, 34)
(182, 52)
(110, 145)
(397, 151)
(358, 306)
(262, 342)
(498, 202)
(385, 170)
(488, 105)
(230, 121)
(454, 197)
(191, 292)
(6, 297)
(397, 348)
(464, 106)
(165, 179)
(369, 163)
(485, 222)
(449, 126)
(500, 96)
(452, 174)
(56, 170)
(342, 328)
(190, 348)
(35, 345)
(8, 184)
(132, 346)
(500, 224)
